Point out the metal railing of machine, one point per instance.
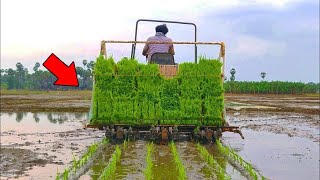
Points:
(103, 50)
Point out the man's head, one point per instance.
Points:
(162, 28)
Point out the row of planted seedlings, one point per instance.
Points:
(208, 158)
(230, 153)
(109, 171)
(177, 160)
(149, 162)
(148, 173)
(71, 172)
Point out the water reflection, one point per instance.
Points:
(36, 118)
(40, 122)
(60, 117)
(10, 113)
(19, 116)
(52, 117)
(78, 115)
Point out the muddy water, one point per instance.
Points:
(277, 156)
(95, 170)
(51, 137)
(35, 146)
(196, 168)
(132, 162)
(27, 122)
(229, 169)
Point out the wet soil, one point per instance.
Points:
(290, 124)
(196, 168)
(130, 165)
(97, 168)
(293, 115)
(275, 103)
(277, 156)
(38, 149)
(43, 101)
(16, 161)
(164, 166)
(132, 161)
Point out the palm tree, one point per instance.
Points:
(36, 67)
(2, 72)
(263, 75)
(84, 62)
(11, 78)
(20, 75)
(232, 72)
(19, 67)
(91, 65)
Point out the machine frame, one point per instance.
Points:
(122, 131)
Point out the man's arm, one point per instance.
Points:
(145, 49)
(171, 49)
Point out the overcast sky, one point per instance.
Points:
(280, 38)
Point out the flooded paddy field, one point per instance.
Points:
(39, 140)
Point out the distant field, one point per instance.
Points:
(88, 92)
(50, 92)
(26, 100)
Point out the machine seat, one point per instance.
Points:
(162, 58)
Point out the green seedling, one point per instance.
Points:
(85, 157)
(110, 169)
(148, 170)
(232, 154)
(65, 174)
(180, 167)
(105, 141)
(125, 144)
(58, 175)
(218, 170)
(75, 163)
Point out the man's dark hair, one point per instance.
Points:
(162, 28)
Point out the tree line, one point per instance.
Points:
(270, 87)
(20, 78)
(267, 87)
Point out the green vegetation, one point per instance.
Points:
(218, 170)
(110, 169)
(20, 78)
(65, 174)
(125, 144)
(273, 87)
(132, 93)
(148, 170)
(84, 159)
(180, 167)
(91, 150)
(232, 154)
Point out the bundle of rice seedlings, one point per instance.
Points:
(133, 93)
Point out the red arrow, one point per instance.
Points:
(67, 75)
